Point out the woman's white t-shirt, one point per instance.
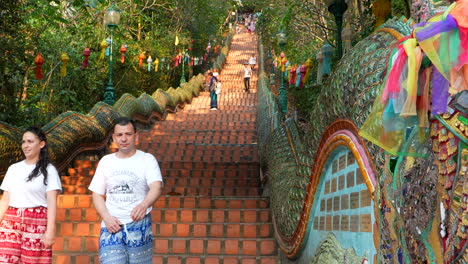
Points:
(29, 194)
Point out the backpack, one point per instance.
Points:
(218, 88)
(213, 84)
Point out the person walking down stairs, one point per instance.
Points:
(213, 94)
(247, 71)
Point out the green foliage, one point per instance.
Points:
(29, 27)
(400, 8)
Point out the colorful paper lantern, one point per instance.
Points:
(149, 61)
(64, 58)
(86, 54)
(104, 46)
(39, 60)
(123, 50)
(141, 57)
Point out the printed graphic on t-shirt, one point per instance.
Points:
(122, 187)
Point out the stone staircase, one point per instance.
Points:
(211, 211)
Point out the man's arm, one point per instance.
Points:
(112, 223)
(155, 190)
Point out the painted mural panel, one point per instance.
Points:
(342, 218)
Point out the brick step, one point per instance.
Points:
(214, 165)
(221, 126)
(184, 190)
(214, 230)
(204, 173)
(72, 246)
(211, 182)
(236, 109)
(202, 139)
(203, 230)
(212, 191)
(171, 180)
(181, 190)
(75, 189)
(78, 210)
(215, 246)
(164, 135)
(219, 174)
(204, 125)
(202, 133)
(78, 204)
(208, 140)
(207, 158)
(213, 259)
(227, 215)
(92, 258)
(194, 146)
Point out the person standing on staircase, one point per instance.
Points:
(247, 72)
(213, 94)
(125, 186)
(29, 204)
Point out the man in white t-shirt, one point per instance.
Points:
(125, 186)
(247, 72)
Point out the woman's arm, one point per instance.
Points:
(49, 235)
(4, 204)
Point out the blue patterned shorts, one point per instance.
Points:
(131, 245)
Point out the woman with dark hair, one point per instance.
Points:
(213, 94)
(29, 204)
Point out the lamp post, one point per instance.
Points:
(283, 100)
(337, 8)
(111, 20)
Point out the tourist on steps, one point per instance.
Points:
(29, 204)
(213, 94)
(125, 186)
(247, 72)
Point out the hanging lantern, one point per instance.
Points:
(149, 61)
(123, 49)
(176, 60)
(283, 61)
(141, 57)
(176, 42)
(163, 61)
(109, 42)
(308, 66)
(327, 52)
(156, 65)
(64, 58)
(39, 60)
(86, 53)
(104, 46)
